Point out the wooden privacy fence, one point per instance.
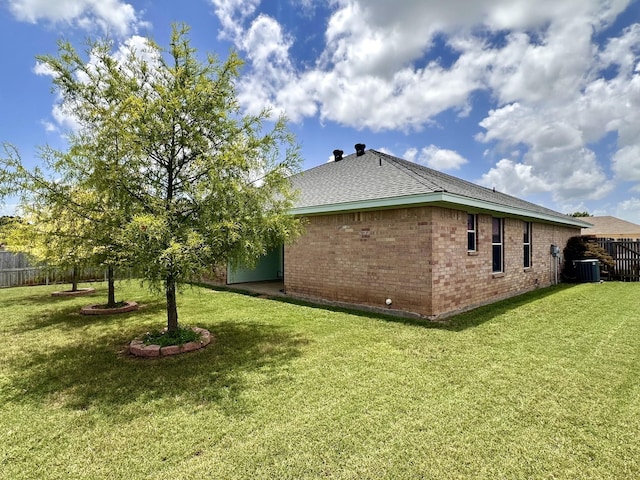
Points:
(16, 270)
(626, 254)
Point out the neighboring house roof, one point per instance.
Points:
(378, 180)
(611, 226)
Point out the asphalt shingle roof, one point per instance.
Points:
(607, 225)
(376, 175)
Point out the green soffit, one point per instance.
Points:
(442, 199)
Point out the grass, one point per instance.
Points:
(164, 338)
(545, 385)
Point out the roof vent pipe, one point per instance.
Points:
(337, 155)
(360, 149)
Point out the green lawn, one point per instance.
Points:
(546, 385)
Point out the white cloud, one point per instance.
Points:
(110, 16)
(556, 154)
(551, 70)
(371, 73)
(576, 174)
(140, 47)
(266, 44)
(556, 129)
(514, 179)
(436, 158)
(495, 14)
(43, 69)
(232, 14)
(274, 83)
(629, 210)
(623, 50)
(516, 124)
(363, 79)
(65, 119)
(626, 163)
(49, 127)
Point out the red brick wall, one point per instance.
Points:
(417, 257)
(468, 280)
(364, 258)
(217, 275)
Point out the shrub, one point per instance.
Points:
(165, 338)
(578, 248)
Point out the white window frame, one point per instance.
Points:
(497, 244)
(473, 231)
(527, 249)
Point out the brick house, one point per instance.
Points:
(380, 229)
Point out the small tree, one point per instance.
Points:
(203, 184)
(45, 231)
(6, 223)
(68, 222)
(100, 206)
(51, 238)
(7, 220)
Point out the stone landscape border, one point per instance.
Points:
(139, 349)
(98, 310)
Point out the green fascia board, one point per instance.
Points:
(438, 199)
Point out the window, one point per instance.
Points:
(526, 231)
(496, 245)
(471, 233)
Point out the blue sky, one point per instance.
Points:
(538, 99)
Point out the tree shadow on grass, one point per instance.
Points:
(42, 297)
(42, 294)
(98, 373)
(68, 317)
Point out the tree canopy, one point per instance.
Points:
(163, 139)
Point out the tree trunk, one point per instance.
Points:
(111, 288)
(172, 306)
(74, 279)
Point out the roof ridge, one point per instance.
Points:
(399, 163)
(408, 164)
